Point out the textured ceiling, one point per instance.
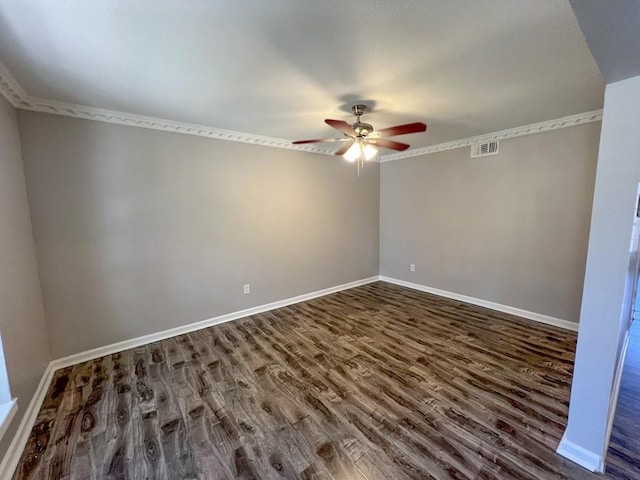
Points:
(278, 68)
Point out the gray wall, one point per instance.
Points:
(510, 228)
(138, 231)
(22, 325)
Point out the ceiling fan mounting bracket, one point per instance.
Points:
(359, 109)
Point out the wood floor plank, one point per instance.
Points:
(374, 382)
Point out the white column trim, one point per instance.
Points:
(577, 454)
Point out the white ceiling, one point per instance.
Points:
(278, 68)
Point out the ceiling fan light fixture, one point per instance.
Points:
(353, 153)
(360, 150)
(369, 151)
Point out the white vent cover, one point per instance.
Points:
(484, 149)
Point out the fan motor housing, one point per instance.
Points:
(362, 129)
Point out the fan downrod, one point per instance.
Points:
(362, 129)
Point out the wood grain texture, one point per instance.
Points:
(376, 382)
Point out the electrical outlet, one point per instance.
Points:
(247, 289)
(412, 268)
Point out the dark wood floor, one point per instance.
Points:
(377, 382)
(623, 457)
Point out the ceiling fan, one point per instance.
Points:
(361, 139)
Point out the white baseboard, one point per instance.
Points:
(583, 457)
(538, 317)
(172, 332)
(14, 452)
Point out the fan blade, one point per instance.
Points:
(379, 142)
(319, 140)
(344, 148)
(341, 126)
(403, 129)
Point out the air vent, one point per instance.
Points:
(484, 149)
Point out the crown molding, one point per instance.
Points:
(14, 93)
(555, 124)
(10, 88)
(154, 123)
